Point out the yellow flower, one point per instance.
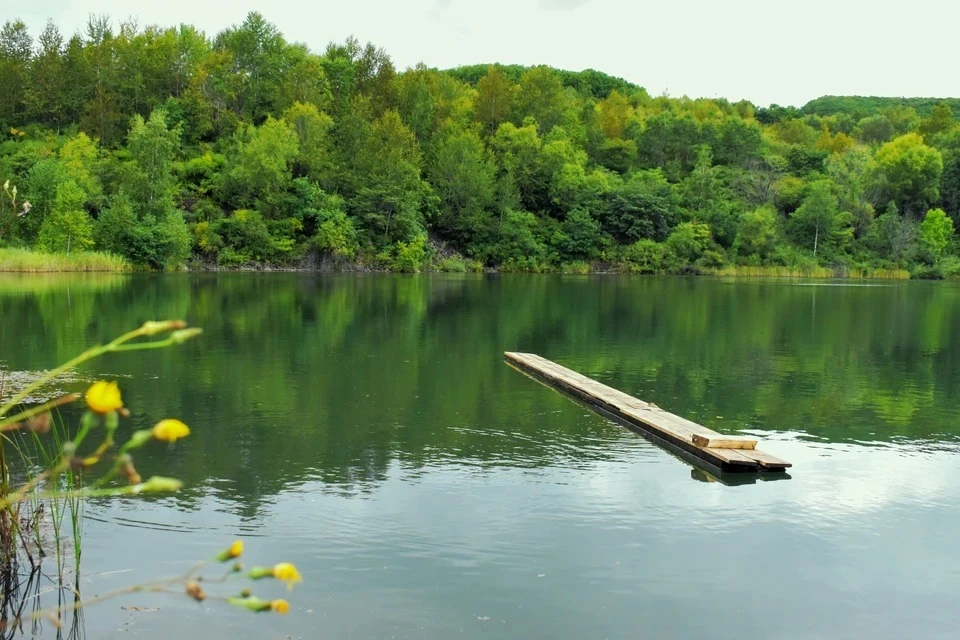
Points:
(280, 606)
(170, 430)
(288, 573)
(235, 550)
(104, 397)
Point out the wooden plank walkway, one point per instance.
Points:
(728, 453)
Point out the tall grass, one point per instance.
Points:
(27, 261)
(744, 271)
(55, 284)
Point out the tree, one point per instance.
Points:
(100, 107)
(936, 231)
(517, 243)
(542, 97)
(115, 226)
(79, 158)
(390, 194)
(68, 227)
(16, 50)
(950, 180)
(312, 127)
(646, 206)
(740, 141)
(260, 171)
(581, 236)
(853, 173)
(758, 232)
(464, 178)
(336, 235)
(305, 81)
(494, 98)
(160, 239)
(44, 94)
(910, 171)
(563, 166)
(518, 152)
(940, 120)
(701, 187)
(417, 103)
(153, 146)
(819, 222)
(894, 235)
(669, 141)
(874, 129)
(614, 112)
(41, 185)
(260, 59)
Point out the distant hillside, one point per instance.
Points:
(863, 106)
(588, 82)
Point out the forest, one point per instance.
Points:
(173, 149)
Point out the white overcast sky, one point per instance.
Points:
(763, 50)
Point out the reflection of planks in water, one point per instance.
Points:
(727, 453)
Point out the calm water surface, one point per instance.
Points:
(367, 429)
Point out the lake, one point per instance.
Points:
(367, 429)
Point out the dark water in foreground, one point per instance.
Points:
(367, 429)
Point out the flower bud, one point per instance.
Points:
(181, 336)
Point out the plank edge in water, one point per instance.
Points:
(737, 453)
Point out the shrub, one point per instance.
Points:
(577, 267)
(689, 240)
(649, 256)
(409, 257)
(757, 233)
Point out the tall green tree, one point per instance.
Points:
(542, 97)
(818, 223)
(68, 227)
(160, 239)
(259, 58)
(494, 99)
(463, 175)
(16, 51)
(910, 171)
(260, 172)
(43, 94)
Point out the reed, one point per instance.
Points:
(745, 271)
(27, 261)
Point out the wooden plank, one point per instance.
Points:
(724, 442)
(737, 453)
(612, 397)
(766, 460)
(733, 457)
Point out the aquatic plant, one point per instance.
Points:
(54, 469)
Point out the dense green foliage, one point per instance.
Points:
(166, 146)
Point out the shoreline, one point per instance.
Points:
(26, 261)
(753, 273)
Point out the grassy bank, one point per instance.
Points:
(811, 272)
(460, 265)
(27, 261)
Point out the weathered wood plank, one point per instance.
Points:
(766, 460)
(737, 453)
(733, 457)
(724, 442)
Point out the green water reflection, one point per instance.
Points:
(354, 388)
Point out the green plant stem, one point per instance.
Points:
(118, 344)
(10, 423)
